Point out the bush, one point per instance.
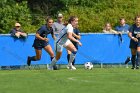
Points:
(93, 14)
(12, 12)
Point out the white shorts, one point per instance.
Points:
(59, 48)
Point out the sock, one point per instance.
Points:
(138, 58)
(33, 58)
(53, 62)
(72, 57)
(133, 60)
(52, 58)
(68, 57)
(73, 62)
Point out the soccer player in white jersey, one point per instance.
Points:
(63, 40)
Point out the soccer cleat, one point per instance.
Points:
(50, 68)
(68, 67)
(133, 68)
(127, 60)
(71, 67)
(55, 67)
(28, 61)
(137, 67)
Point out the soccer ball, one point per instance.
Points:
(88, 65)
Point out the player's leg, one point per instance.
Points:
(76, 46)
(68, 55)
(34, 58)
(69, 46)
(133, 47)
(133, 57)
(59, 49)
(49, 50)
(138, 56)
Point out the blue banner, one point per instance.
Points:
(96, 48)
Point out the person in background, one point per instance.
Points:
(123, 27)
(58, 25)
(17, 32)
(76, 35)
(134, 35)
(108, 29)
(41, 41)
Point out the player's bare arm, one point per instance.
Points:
(133, 38)
(41, 38)
(73, 39)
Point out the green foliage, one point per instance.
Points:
(93, 14)
(12, 12)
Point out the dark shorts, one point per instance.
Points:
(39, 44)
(76, 45)
(134, 44)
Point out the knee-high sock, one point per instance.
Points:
(53, 62)
(133, 60)
(52, 58)
(72, 57)
(68, 57)
(73, 62)
(33, 58)
(138, 58)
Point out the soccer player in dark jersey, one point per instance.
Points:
(134, 34)
(41, 41)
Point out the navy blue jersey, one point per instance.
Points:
(77, 32)
(134, 30)
(43, 31)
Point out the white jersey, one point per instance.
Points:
(62, 36)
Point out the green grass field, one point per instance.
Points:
(98, 80)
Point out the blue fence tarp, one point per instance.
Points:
(97, 48)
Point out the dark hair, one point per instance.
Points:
(65, 23)
(72, 18)
(48, 18)
(138, 16)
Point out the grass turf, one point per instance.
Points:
(98, 80)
